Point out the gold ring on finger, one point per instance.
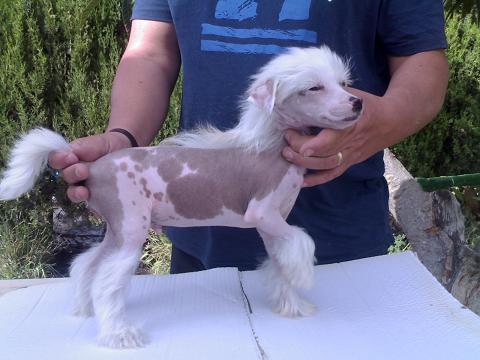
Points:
(340, 158)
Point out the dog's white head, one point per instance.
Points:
(306, 88)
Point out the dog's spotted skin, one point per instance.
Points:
(176, 186)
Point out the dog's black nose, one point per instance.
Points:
(357, 104)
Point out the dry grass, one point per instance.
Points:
(156, 256)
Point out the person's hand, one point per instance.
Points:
(332, 152)
(74, 164)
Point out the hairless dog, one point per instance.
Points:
(204, 177)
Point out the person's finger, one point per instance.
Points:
(75, 173)
(312, 162)
(78, 194)
(322, 177)
(326, 143)
(61, 159)
(296, 140)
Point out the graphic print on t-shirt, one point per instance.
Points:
(236, 38)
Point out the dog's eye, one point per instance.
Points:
(343, 83)
(317, 88)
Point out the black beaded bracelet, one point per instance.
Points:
(130, 137)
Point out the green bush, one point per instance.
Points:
(450, 145)
(58, 60)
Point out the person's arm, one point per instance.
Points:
(145, 79)
(414, 96)
(141, 92)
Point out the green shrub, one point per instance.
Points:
(450, 145)
(58, 60)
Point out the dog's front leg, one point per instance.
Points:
(291, 260)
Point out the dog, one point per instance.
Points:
(205, 177)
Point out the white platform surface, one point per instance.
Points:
(387, 307)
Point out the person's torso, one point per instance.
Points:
(223, 43)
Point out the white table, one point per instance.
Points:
(387, 307)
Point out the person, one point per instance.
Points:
(399, 68)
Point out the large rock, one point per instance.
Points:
(434, 226)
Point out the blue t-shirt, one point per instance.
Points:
(224, 42)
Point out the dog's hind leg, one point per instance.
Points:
(111, 283)
(83, 271)
(290, 264)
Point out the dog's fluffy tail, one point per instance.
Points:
(28, 159)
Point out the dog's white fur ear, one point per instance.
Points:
(264, 95)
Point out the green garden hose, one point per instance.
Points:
(444, 182)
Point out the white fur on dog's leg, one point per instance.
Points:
(109, 292)
(291, 264)
(124, 338)
(290, 304)
(295, 254)
(82, 272)
(283, 297)
(84, 310)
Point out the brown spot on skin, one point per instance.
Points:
(169, 169)
(148, 193)
(144, 217)
(123, 166)
(138, 154)
(158, 196)
(144, 227)
(202, 206)
(138, 168)
(131, 175)
(134, 203)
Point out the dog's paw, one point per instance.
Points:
(293, 306)
(84, 311)
(128, 337)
